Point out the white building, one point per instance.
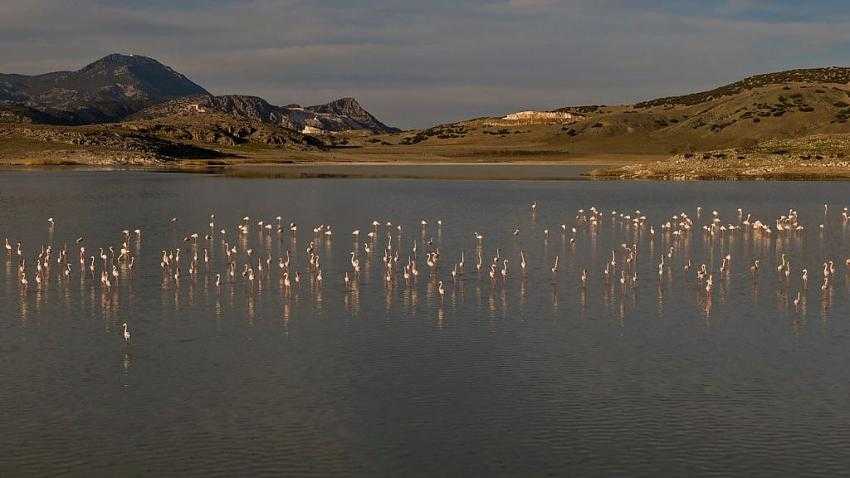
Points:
(541, 116)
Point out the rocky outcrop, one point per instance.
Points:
(224, 132)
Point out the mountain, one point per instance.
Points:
(344, 114)
(104, 91)
(120, 87)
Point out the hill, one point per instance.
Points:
(746, 116)
(832, 75)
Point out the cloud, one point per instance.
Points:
(415, 63)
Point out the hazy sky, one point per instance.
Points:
(416, 62)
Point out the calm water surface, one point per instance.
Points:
(526, 377)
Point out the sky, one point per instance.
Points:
(414, 63)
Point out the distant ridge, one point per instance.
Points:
(344, 114)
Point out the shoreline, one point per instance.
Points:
(595, 167)
(522, 171)
(425, 170)
(519, 171)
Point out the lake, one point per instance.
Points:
(635, 373)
